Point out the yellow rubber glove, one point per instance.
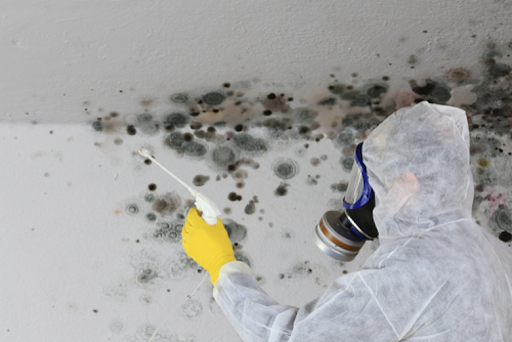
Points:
(208, 245)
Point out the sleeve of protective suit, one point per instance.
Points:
(345, 312)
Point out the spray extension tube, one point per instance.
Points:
(208, 209)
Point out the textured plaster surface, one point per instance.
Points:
(258, 106)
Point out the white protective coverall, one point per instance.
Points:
(437, 276)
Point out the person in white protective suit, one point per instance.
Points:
(437, 276)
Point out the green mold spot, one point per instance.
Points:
(482, 162)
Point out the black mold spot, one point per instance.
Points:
(344, 137)
(424, 90)
(350, 95)
(331, 101)
(498, 70)
(285, 168)
(195, 149)
(200, 134)
(362, 126)
(131, 130)
(339, 187)
(167, 203)
(412, 59)
(281, 190)
(304, 130)
(114, 114)
(147, 161)
(239, 128)
(179, 98)
(505, 236)
(146, 276)
(503, 218)
(152, 187)
(441, 93)
(236, 231)
(174, 140)
(347, 163)
(374, 91)
(271, 96)
(223, 156)
(196, 125)
(337, 88)
(267, 112)
(188, 137)
(97, 126)
(168, 232)
(250, 209)
(246, 142)
(214, 98)
(132, 209)
(234, 197)
(177, 119)
(227, 210)
(151, 217)
(200, 180)
(226, 84)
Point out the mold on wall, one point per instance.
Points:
(93, 232)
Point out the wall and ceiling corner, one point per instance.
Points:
(258, 104)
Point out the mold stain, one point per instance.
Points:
(232, 196)
(236, 232)
(285, 168)
(200, 180)
(281, 190)
(250, 209)
(167, 203)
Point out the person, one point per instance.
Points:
(436, 276)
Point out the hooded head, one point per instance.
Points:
(418, 165)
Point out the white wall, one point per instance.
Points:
(77, 266)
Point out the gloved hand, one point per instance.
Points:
(208, 245)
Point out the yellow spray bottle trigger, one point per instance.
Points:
(209, 210)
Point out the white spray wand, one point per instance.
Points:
(209, 210)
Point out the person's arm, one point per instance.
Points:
(347, 311)
(253, 313)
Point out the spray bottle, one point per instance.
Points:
(206, 208)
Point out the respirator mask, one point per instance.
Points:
(341, 234)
